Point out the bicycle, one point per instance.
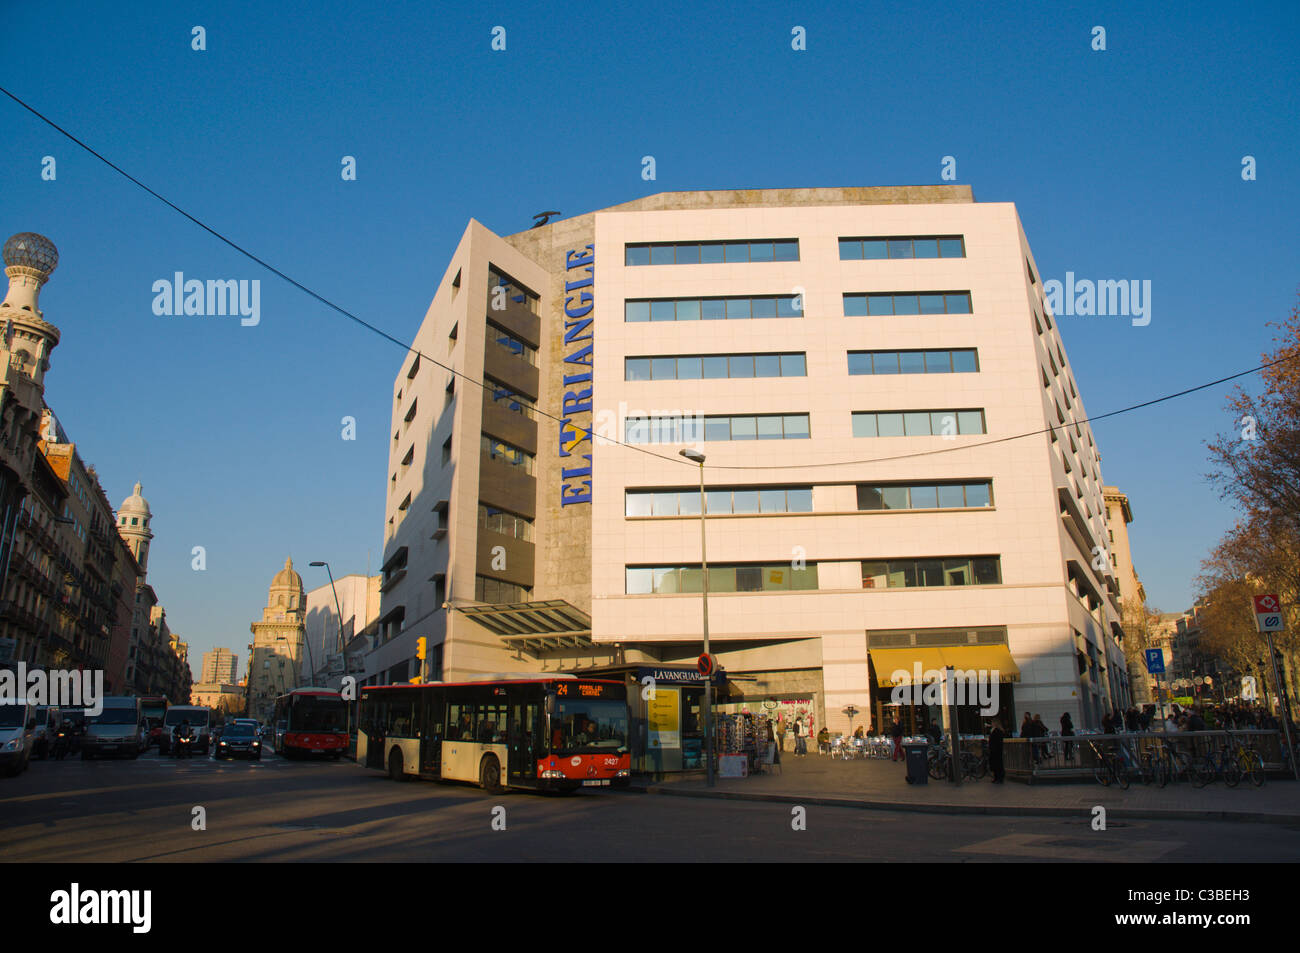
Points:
(1249, 760)
(938, 761)
(1109, 768)
(1149, 767)
(974, 767)
(1177, 765)
(1214, 765)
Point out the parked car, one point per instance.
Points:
(17, 726)
(200, 720)
(118, 731)
(239, 741)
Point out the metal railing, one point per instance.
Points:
(1067, 757)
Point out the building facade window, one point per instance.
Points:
(507, 524)
(918, 423)
(963, 361)
(906, 302)
(712, 309)
(504, 452)
(497, 591)
(504, 397)
(924, 496)
(714, 366)
(511, 344)
(736, 577)
(716, 428)
(512, 291)
(924, 573)
(719, 500)
(916, 246)
(711, 253)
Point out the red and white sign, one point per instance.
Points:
(1268, 613)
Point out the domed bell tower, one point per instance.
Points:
(28, 338)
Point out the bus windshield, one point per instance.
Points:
(590, 725)
(318, 714)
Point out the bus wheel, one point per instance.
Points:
(395, 765)
(489, 774)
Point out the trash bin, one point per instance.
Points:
(918, 765)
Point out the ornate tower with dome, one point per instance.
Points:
(133, 518)
(275, 655)
(26, 340)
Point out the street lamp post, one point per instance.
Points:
(337, 609)
(697, 457)
(342, 650)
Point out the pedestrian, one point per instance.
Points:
(823, 741)
(934, 733)
(1040, 731)
(772, 745)
(800, 741)
(780, 735)
(1067, 729)
(896, 732)
(996, 765)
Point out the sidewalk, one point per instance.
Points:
(882, 785)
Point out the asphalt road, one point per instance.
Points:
(276, 810)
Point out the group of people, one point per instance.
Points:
(799, 732)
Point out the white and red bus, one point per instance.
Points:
(154, 709)
(311, 721)
(551, 732)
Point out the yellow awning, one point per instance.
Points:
(888, 661)
(988, 658)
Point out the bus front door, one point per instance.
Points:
(524, 732)
(375, 746)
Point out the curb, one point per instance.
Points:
(1119, 813)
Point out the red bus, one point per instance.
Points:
(154, 708)
(550, 732)
(311, 721)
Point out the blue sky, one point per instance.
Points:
(1123, 164)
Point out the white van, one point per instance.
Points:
(200, 720)
(17, 729)
(116, 732)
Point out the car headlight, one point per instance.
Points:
(257, 744)
(13, 744)
(623, 773)
(552, 774)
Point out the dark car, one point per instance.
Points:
(238, 741)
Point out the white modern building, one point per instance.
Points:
(896, 469)
(356, 598)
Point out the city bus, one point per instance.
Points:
(154, 709)
(547, 733)
(310, 721)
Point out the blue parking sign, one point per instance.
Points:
(1155, 661)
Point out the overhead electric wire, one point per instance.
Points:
(597, 438)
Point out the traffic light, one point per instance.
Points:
(421, 644)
